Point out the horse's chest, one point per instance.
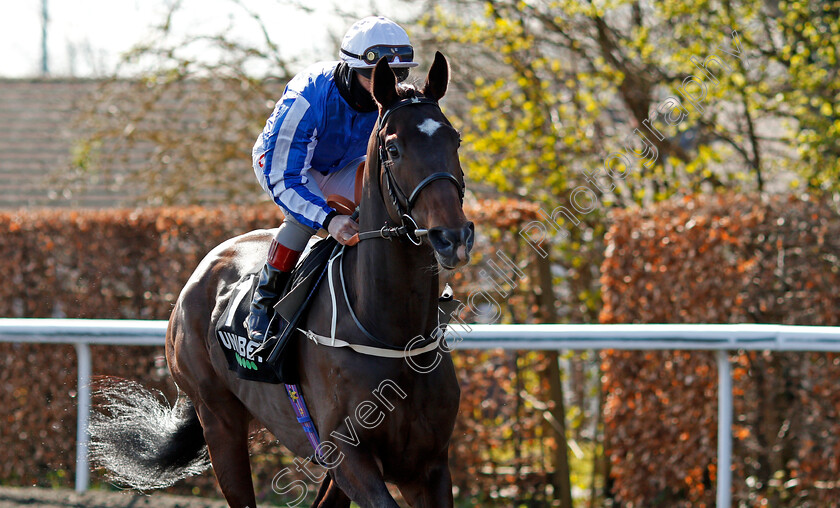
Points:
(421, 423)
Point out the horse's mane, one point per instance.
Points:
(407, 91)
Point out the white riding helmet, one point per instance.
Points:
(371, 38)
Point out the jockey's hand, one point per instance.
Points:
(343, 229)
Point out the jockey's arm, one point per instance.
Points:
(281, 160)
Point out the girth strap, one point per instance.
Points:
(371, 350)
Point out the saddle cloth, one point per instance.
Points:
(240, 351)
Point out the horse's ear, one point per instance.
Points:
(438, 78)
(384, 85)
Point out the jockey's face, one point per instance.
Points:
(365, 82)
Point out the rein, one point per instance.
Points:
(408, 226)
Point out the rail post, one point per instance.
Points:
(724, 458)
(83, 394)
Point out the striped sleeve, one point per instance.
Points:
(285, 149)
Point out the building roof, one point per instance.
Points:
(43, 123)
(36, 144)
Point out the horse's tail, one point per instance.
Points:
(142, 441)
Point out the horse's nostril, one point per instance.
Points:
(443, 240)
(468, 235)
(454, 243)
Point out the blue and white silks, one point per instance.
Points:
(312, 133)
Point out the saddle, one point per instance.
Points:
(240, 351)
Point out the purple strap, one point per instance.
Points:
(302, 414)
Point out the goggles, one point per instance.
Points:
(372, 55)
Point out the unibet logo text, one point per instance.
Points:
(242, 345)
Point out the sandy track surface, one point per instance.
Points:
(13, 497)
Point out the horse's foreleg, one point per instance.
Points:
(434, 491)
(330, 496)
(359, 477)
(226, 433)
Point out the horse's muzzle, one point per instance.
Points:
(453, 245)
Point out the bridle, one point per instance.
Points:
(407, 228)
(404, 203)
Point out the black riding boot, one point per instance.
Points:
(266, 295)
(273, 278)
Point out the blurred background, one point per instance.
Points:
(685, 153)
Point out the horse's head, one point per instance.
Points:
(420, 173)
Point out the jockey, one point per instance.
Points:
(311, 145)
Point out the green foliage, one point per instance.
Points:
(810, 52)
(558, 86)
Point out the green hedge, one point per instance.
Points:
(723, 259)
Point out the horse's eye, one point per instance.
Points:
(393, 152)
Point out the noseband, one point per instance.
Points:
(404, 203)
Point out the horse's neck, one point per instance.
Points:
(394, 285)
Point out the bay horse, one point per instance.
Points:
(386, 422)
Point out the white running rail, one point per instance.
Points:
(83, 333)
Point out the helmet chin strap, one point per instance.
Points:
(352, 91)
(364, 99)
